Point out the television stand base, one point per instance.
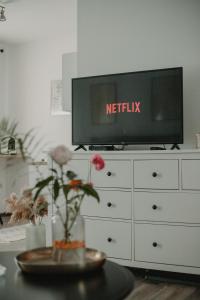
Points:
(157, 148)
(175, 146)
(101, 148)
(80, 147)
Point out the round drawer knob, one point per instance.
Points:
(154, 206)
(109, 204)
(109, 173)
(109, 239)
(154, 244)
(154, 174)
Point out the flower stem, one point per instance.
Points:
(77, 211)
(65, 194)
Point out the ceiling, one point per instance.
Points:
(29, 20)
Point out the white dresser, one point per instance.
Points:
(149, 213)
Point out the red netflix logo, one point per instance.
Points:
(113, 108)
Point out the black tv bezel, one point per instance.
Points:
(158, 140)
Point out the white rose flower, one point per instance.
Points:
(61, 155)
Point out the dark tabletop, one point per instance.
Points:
(112, 282)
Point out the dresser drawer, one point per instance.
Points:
(113, 204)
(156, 174)
(176, 245)
(169, 207)
(191, 174)
(117, 173)
(113, 238)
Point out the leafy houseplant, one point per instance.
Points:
(26, 144)
(67, 184)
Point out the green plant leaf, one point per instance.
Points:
(44, 182)
(90, 191)
(37, 193)
(71, 175)
(53, 170)
(56, 189)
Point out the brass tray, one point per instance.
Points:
(40, 261)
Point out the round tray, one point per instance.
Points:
(40, 261)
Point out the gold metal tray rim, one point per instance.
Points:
(32, 261)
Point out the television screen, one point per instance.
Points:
(144, 107)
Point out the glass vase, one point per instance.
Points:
(69, 250)
(35, 236)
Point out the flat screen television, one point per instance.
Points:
(144, 107)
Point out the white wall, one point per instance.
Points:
(130, 35)
(26, 71)
(3, 111)
(31, 69)
(3, 100)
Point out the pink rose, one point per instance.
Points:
(61, 155)
(98, 162)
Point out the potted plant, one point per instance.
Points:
(68, 228)
(25, 209)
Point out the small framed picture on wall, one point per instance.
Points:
(57, 106)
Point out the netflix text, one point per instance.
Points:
(123, 107)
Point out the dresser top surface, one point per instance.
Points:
(137, 154)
